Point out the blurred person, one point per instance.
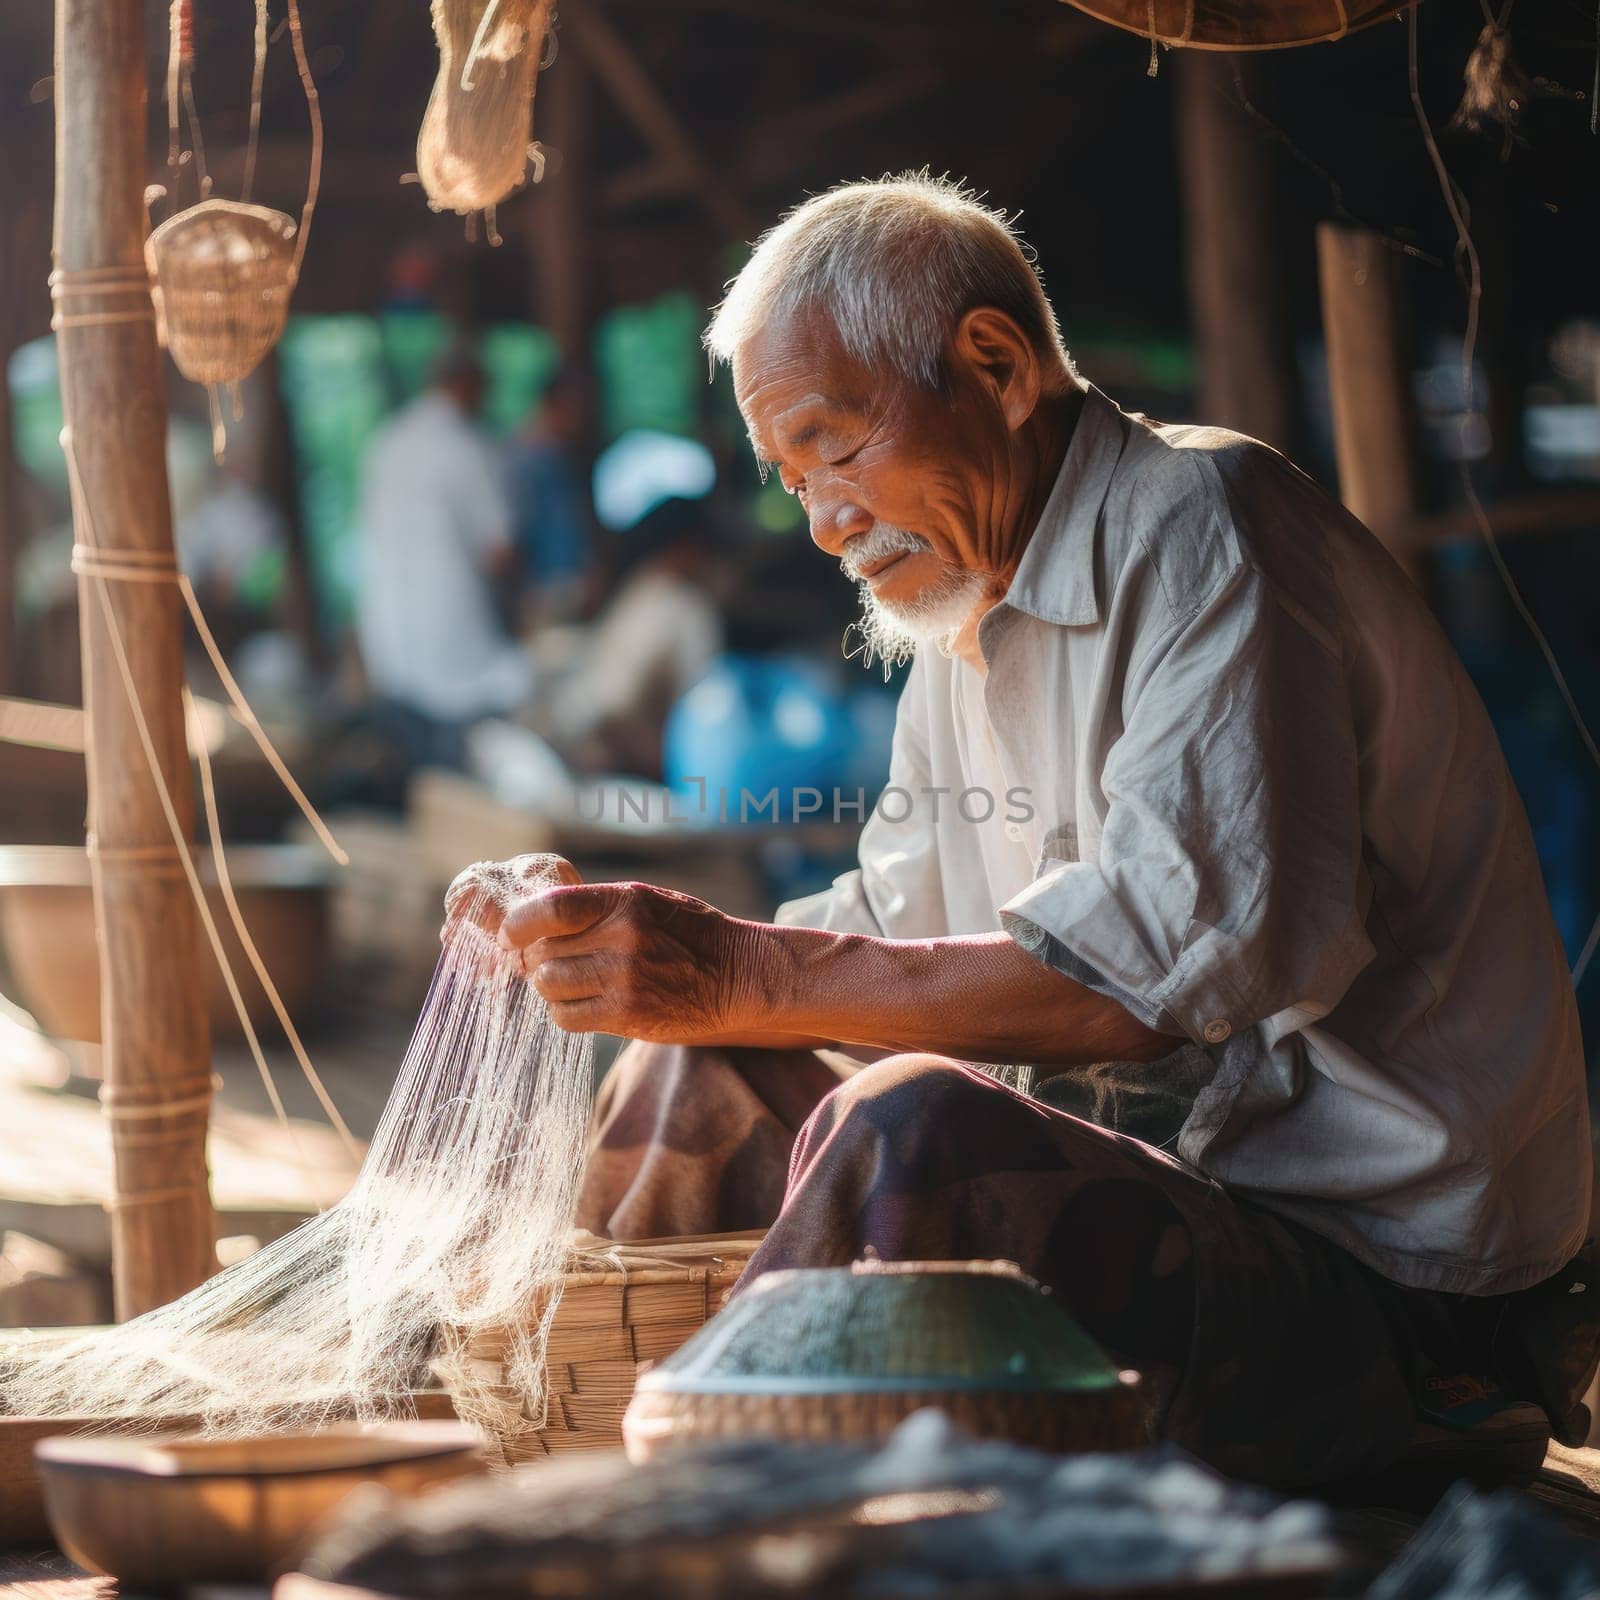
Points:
(657, 634)
(550, 507)
(1194, 813)
(232, 546)
(435, 532)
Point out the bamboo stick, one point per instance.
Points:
(156, 1052)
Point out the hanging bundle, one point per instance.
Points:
(477, 133)
(223, 270)
(1497, 90)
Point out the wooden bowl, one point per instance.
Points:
(47, 922)
(849, 1352)
(179, 1508)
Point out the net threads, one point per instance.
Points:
(459, 1217)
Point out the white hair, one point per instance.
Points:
(891, 631)
(894, 262)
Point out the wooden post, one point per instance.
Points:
(1365, 327)
(562, 303)
(1235, 263)
(10, 530)
(153, 1023)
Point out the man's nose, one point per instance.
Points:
(835, 520)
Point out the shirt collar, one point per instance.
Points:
(1055, 581)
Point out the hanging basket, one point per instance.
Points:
(223, 274)
(1240, 24)
(473, 148)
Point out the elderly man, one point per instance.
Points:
(1207, 828)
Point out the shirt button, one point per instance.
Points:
(1216, 1030)
(1013, 830)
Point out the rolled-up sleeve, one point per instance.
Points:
(1227, 884)
(896, 890)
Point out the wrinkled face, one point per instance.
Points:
(898, 483)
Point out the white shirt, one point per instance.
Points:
(1261, 805)
(434, 513)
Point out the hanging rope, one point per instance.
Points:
(257, 78)
(314, 112)
(100, 283)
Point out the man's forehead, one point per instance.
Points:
(795, 366)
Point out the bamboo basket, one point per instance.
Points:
(850, 1352)
(224, 272)
(608, 1326)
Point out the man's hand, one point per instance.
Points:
(487, 889)
(633, 960)
(648, 963)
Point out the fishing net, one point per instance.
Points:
(460, 1216)
(474, 145)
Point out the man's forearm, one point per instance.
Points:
(979, 997)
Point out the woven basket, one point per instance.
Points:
(1062, 1424)
(223, 273)
(608, 1325)
(850, 1352)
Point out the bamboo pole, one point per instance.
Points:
(153, 1024)
(1365, 327)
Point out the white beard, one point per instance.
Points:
(891, 631)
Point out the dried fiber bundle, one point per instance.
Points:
(473, 147)
(223, 274)
(1497, 90)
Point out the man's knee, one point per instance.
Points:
(637, 1066)
(915, 1084)
(914, 1104)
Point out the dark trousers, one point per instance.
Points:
(1267, 1350)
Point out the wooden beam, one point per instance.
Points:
(366, 178)
(857, 24)
(637, 97)
(1365, 327)
(777, 145)
(644, 182)
(1234, 262)
(153, 1021)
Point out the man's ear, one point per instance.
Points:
(1001, 359)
